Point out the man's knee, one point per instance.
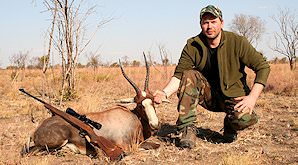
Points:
(241, 123)
(193, 76)
(189, 73)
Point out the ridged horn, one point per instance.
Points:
(130, 81)
(147, 73)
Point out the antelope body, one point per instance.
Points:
(120, 125)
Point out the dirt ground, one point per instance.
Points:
(273, 140)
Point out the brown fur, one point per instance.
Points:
(119, 125)
(125, 128)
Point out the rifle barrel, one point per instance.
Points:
(23, 90)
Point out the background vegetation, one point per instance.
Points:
(272, 141)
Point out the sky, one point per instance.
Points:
(136, 26)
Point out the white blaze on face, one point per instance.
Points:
(144, 94)
(150, 112)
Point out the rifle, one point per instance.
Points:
(83, 118)
(110, 149)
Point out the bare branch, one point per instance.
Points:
(251, 27)
(286, 41)
(67, 36)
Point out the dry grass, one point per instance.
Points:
(272, 141)
(282, 80)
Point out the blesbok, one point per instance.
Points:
(126, 128)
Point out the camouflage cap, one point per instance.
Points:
(212, 10)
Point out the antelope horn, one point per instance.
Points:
(147, 73)
(126, 77)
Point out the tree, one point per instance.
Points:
(251, 27)
(286, 41)
(163, 55)
(18, 62)
(68, 37)
(151, 61)
(136, 63)
(125, 61)
(33, 63)
(93, 61)
(43, 62)
(164, 59)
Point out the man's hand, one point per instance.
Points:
(246, 104)
(162, 95)
(159, 96)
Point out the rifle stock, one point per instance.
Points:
(110, 149)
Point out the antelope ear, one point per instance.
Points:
(126, 100)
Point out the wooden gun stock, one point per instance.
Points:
(110, 149)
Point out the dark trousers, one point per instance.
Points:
(195, 90)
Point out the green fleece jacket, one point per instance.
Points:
(233, 54)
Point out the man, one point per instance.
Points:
(211, 73)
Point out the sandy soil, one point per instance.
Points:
(273, 140)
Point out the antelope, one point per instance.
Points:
(126, 128)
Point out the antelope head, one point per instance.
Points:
(144, 99)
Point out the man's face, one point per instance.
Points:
(211, 26)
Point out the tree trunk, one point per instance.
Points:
(292, 64)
